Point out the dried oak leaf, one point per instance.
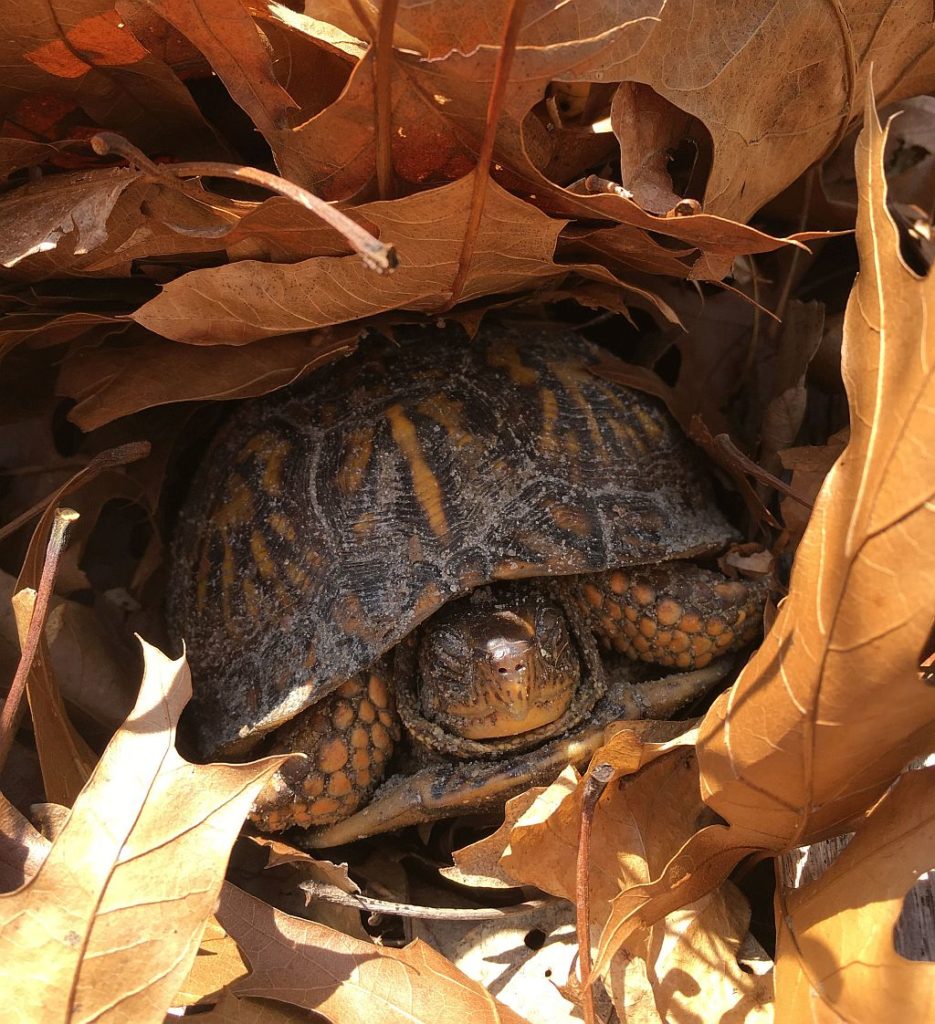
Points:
(242, 302)
(75, 60)
(639, 823)
(108, 926)
(832, 706)
(835, 958)
(439, 114)
(311, 966)
(775, 84)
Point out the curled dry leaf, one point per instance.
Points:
(231, 40)
(36, 217)
(784, 753)
(837, 675)
(108, 926)
(22, 848)
(640, 822)
(835, 958)
(311, 966)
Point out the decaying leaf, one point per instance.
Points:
(127, 887)
(835, 958)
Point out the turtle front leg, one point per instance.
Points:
(675, 614)
(348, 738)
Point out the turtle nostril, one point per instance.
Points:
(502, 671)
(520, 668)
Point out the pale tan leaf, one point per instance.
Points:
(784, 752)
(835, 957)
(640, 822)
(309, 965)
(108, 926)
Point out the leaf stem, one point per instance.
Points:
(376, 254)
(594, 786)
(514, 19)
(10, 713)
(383, 96)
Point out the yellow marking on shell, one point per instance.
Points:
(271, 450)
(428, 601)
(428, 492)
(251, 597)
(296, 574)
(446, 412)
(283, 527)
(650, 427)
(506, 357)
(353, 471)
(548, 441)
(365, 524)
(574, 520)
(261, 555)
(237, 509)
(571, 378)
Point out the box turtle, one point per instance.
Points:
(430, 567)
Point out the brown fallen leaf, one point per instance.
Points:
(810, 465)
(641, 820)
(110, 923)
(143, 371)
(75, 61)
(217, 965)
(859, 605)
(780, 88)
(784, 753)
(246, 301)
(835, 958)
(36, 217)
(310, 966)
(648, 129)
(231, 40)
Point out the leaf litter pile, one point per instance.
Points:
(206, 200)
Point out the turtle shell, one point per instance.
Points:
(329, 520)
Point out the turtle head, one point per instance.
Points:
(494, 670)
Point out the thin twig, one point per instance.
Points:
(113, 457)
(594, 786)
(376, 255)
(332, 894)
(501, 78)
(10, 713)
